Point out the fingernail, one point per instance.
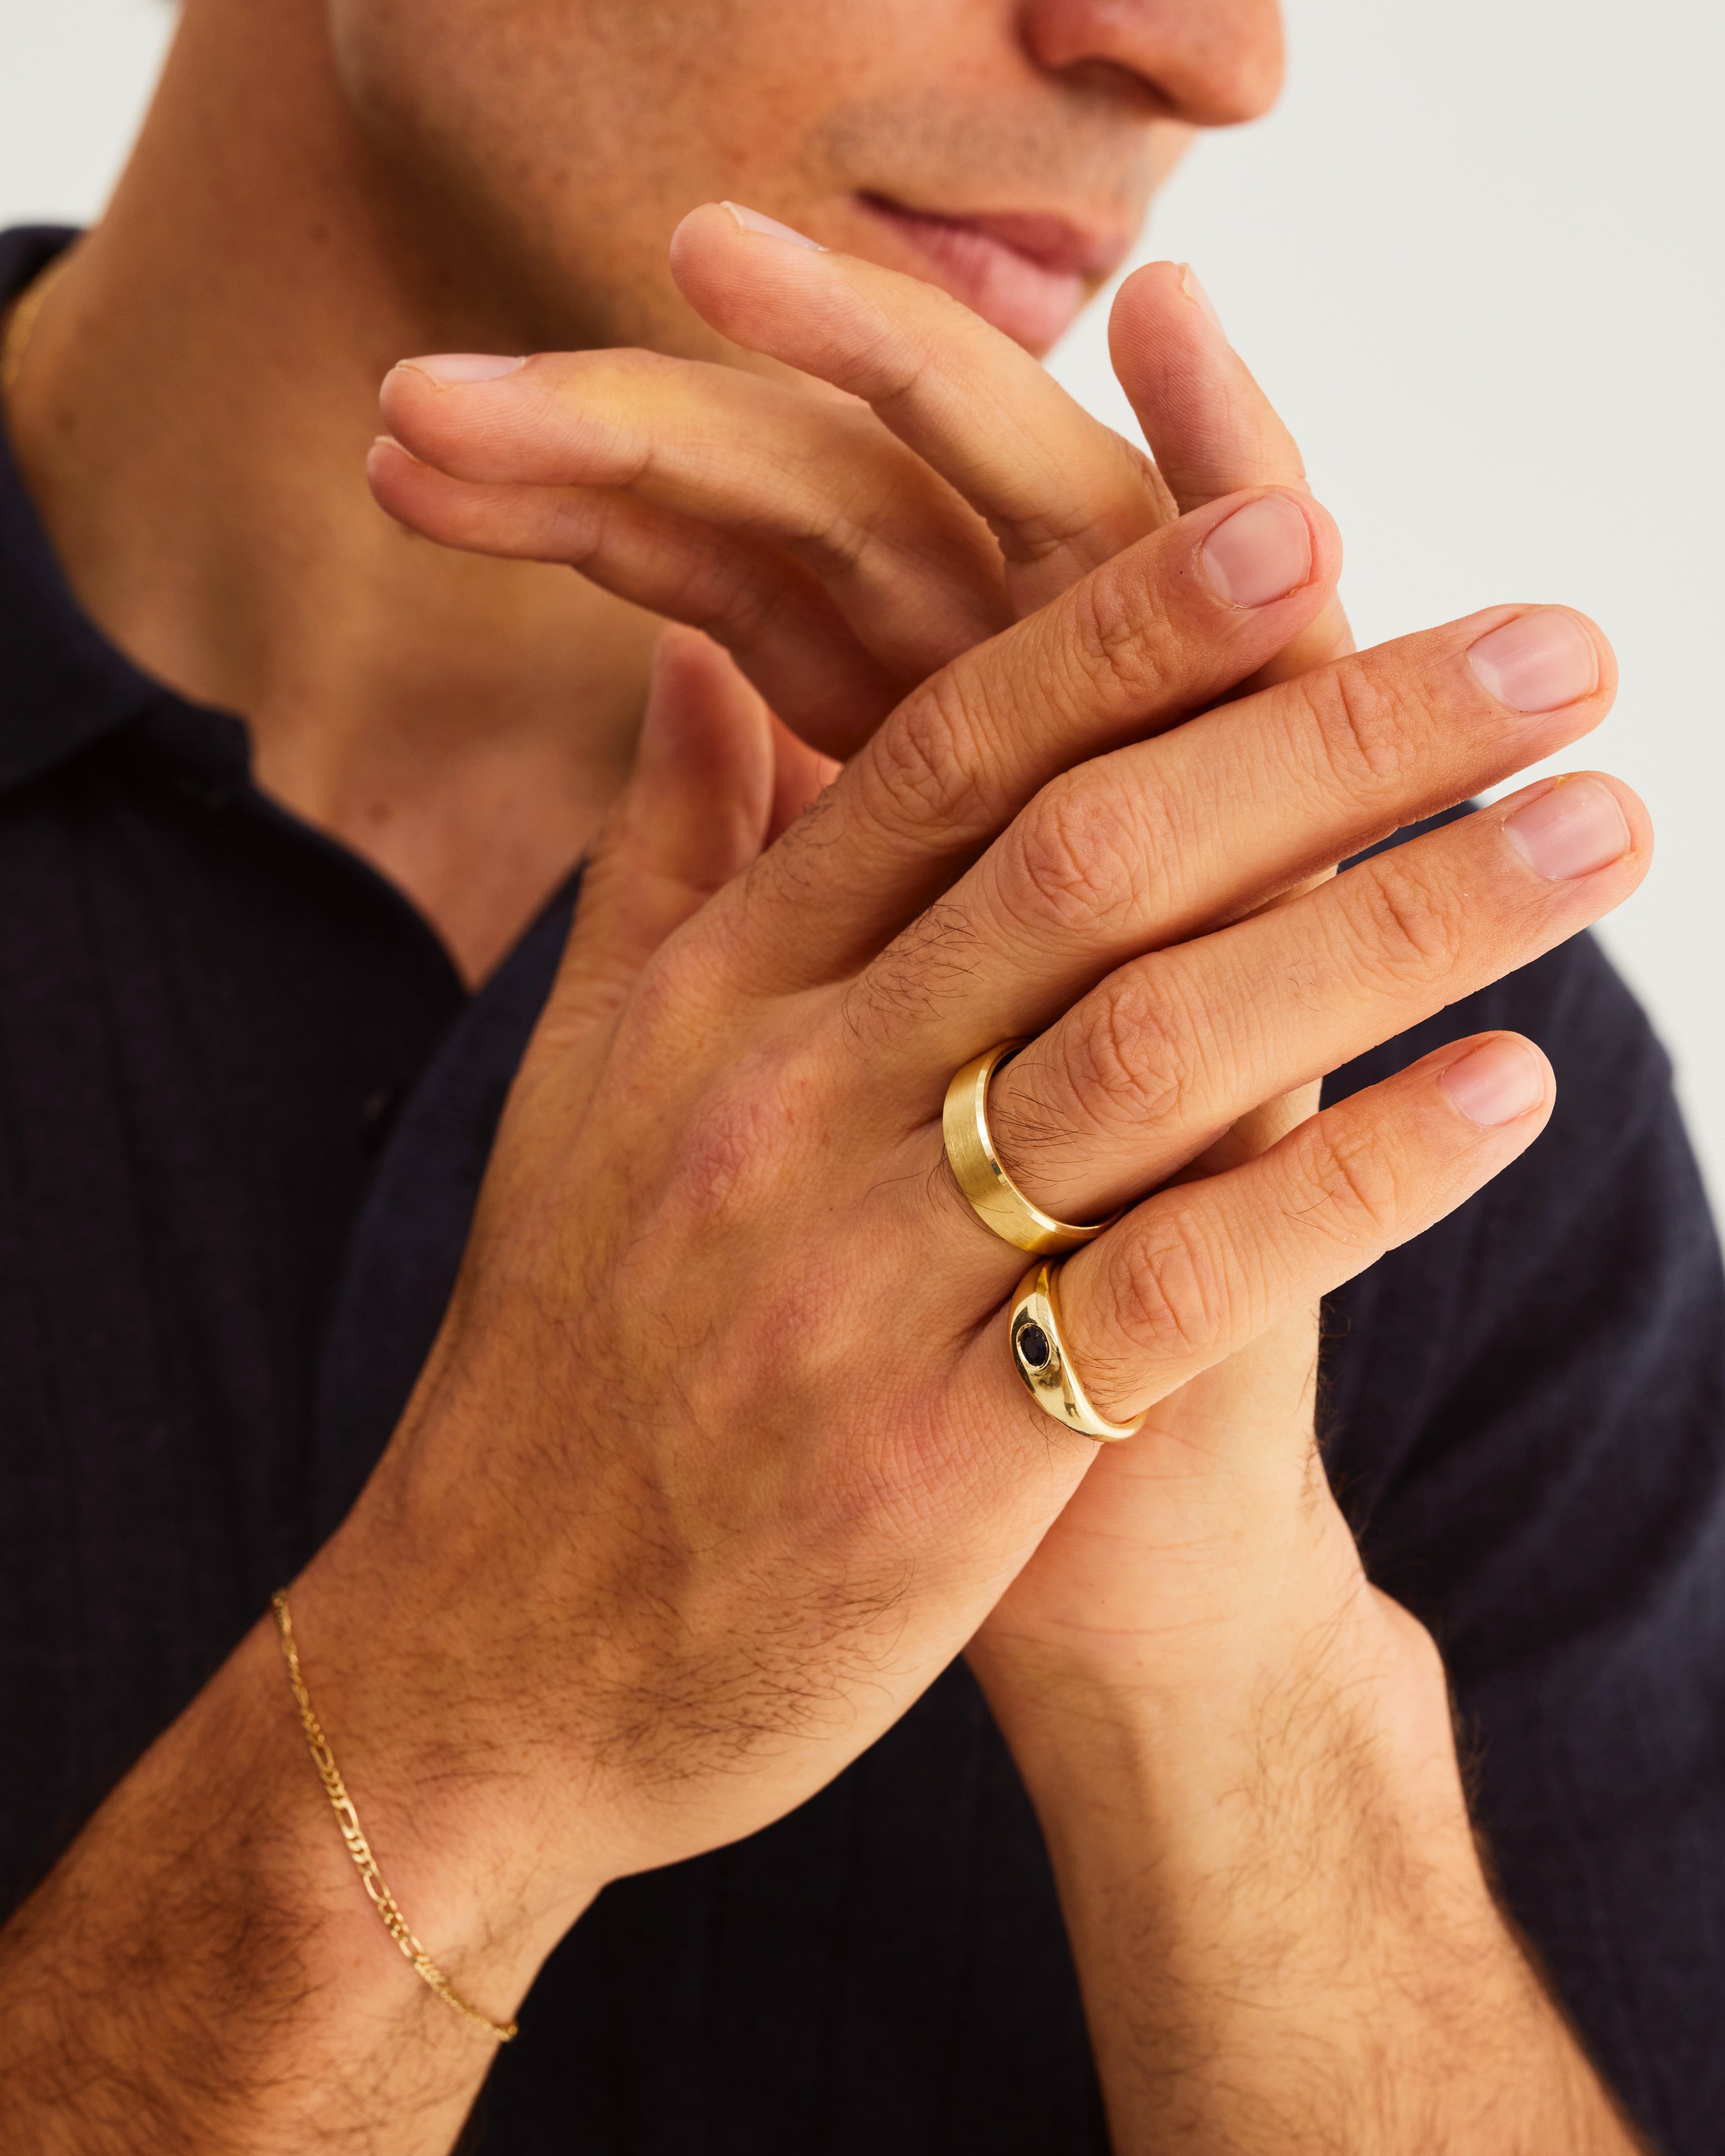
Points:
(1262, 553)
(1576, 827)
(1200, 299)
(452, 366)
(1537, 664)
(1497, 1083)
(752, 220)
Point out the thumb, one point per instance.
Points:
(696, 810)
(1210, 428)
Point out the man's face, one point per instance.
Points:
(1006, 149)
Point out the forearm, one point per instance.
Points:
(1283, 1931)
(203, 1971)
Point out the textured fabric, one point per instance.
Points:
(245, 1107)
(206, 1011)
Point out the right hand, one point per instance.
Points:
(720, 1458)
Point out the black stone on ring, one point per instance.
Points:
(1034, 1346)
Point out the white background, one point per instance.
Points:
(1473, 257)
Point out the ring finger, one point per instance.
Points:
(1147, 1070)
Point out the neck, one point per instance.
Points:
(192, 415)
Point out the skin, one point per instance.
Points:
(596, 1612)
(244, 562)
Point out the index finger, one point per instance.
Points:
(1161, 631)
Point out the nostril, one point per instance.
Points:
(1213, 66)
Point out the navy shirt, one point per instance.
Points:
(245, 1107)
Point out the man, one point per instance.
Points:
(645, 1550)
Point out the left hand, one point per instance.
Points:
(842, 549)
(968, 490)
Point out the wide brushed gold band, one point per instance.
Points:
(1039, 1355)
(975, 1166)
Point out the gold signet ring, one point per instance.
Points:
(997, 1199)
(1039, 1355)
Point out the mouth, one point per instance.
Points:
(1027, 275)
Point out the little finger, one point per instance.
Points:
(1201, 1268)
(770, 613)
(1210, 428)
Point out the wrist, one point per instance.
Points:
(478, 1818)
(1334, 1725)
(205, 1959)
(1286, 1871)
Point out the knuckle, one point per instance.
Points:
(1033, 536)
(730, 1153)
(1357, 1190)
(1361, 722)
(890, 364)
(1171, 1296)
(694, 973)
(923, 770)
(1404, 933)
(1091, 517)
(1135, 1065)
(1117, 639)
(582, 436)
(583, 528)
(1071, 862)
(735, 602)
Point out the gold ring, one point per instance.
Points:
(996, 1199)
(1039, 1355)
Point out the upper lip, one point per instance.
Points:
(1055, 244)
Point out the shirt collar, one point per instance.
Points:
(63, 685)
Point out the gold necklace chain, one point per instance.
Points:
(21, 323)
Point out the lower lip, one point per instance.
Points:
(1032, 305)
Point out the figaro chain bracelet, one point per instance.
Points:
(359, 1848)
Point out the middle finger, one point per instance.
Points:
(1062, 491)
(1165, 839)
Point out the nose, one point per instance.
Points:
(1210, 62)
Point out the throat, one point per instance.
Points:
(478, 830)
(191, 415)
(460, 722)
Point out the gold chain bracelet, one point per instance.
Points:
(360, 1850)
